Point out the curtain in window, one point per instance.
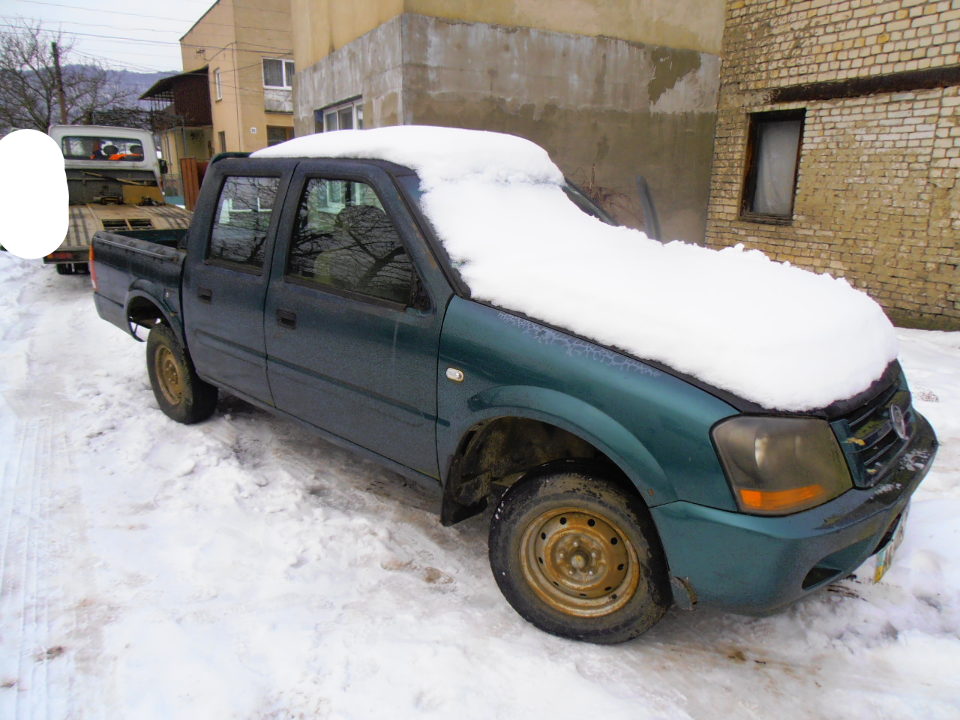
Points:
(776, 148)
(272, 73)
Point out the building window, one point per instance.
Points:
(222, 139)
(342, 116)
(277, 135)
(218, 84)
(278, 73)
(773, 159)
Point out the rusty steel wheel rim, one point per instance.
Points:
(579, 562)
(169, 376)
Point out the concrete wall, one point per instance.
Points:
(370, 67)
(235, 37)
(878, 189)
(605, 109)
(323, 26)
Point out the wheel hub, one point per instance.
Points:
(168, 375)
(579, 562)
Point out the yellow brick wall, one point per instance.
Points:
(789, 42)
(878, 190)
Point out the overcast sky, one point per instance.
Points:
(140, 35)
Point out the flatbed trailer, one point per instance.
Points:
(113, 177)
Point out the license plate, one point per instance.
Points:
(884, 558)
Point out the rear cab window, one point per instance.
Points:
(102, 148)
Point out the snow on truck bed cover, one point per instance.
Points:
(768, 332)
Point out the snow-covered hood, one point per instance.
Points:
(771, 333)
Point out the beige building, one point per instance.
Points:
(611, 88)
(247, 50)
(838, 145)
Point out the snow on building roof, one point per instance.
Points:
(768, 332)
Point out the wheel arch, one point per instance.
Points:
(143, 308)
(496, 444)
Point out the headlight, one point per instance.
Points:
(781, 465)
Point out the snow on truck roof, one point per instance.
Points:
(766, 331)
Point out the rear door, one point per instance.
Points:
(354, 312)
(225, 277)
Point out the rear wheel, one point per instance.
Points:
(64, 269)
(179, 391)
(578, 556)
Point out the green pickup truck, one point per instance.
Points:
(656, 424)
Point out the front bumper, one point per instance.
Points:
(756, 564)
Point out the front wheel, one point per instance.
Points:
(578, 556)
(179, 391)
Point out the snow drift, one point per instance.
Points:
(768, 332)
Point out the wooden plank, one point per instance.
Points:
(136, 195)
(85, 220)
(190, 176)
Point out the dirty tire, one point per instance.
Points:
(577, 555)
(179, 391)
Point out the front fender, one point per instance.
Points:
(654, 425)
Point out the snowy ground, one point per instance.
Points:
(243, 568)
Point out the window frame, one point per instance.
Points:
(355, 104)
(275, 213)
(217, 85)
(415, 279)
(287, 128)
(284, 75)
(751, 156)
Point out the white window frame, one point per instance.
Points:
(218, 84)
(285, 73)
(333, 112)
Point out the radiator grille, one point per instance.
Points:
(869, 437)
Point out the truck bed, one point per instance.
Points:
(145, 263)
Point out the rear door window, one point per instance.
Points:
(240, 226)
(344, 240)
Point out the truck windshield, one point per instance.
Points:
(412, 184)
(117, 149)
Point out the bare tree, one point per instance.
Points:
(29, 82)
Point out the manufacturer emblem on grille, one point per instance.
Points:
(899, 423)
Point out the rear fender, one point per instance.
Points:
(147, 291)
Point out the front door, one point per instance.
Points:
(351, 341)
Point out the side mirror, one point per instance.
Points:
(650, 219)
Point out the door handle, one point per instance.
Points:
(286, 318)
(205, 294)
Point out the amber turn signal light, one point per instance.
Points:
(775, 501)
(93, 270)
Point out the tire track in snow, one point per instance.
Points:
(41, 539)
(24, 615)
